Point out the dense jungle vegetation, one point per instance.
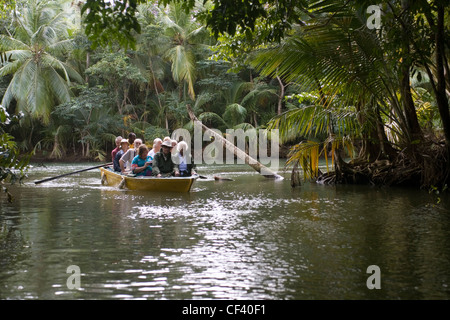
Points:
(339, 79)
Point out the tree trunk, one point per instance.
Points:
(414, 131)
(386, 148)
(370, 150)
(155, 85)
(441, 97)
(281, 96)
(263, 170)
(88, 63)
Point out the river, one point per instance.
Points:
(250, 238)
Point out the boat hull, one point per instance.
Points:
(172, 184)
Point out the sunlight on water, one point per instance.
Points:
(250, 238)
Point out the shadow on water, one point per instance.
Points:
(250, 238)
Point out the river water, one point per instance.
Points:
(250, 238)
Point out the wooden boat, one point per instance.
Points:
(172, 184)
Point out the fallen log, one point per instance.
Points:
(256, 165)
(217, 178)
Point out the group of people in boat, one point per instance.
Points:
(165, 158)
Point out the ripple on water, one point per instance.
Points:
(247, 239)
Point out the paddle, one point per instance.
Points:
(68, 174)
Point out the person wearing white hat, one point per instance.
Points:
(127, 157)
(163, 165)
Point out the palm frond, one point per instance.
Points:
(10, 68)
(234, 114)
(306, 154)
(212, 118)
(9, 44)
(60, 47)
(183, 67)
(58, 86)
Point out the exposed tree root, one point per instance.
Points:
(424, 167)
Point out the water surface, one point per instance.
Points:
(251, 238)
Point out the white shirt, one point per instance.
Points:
(182, 162)
(128, 157)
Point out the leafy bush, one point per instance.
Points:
(12, 166)
(152, 132)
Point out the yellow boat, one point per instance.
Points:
(172, 184)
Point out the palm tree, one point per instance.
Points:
(343, 65)
(260, 96)
(151, 45)
(186, 37)
(35, 47)
(362, 82)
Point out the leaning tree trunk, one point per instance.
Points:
(259, 167)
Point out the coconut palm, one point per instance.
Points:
(35, 47)
(152, 43)
(186, 36)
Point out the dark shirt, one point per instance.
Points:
(162, 164)
(114, 152)
(116, 160)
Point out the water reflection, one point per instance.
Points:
(252, 238)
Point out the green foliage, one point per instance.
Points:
(6, 6)
(13, 166)
(187, 37)
(90, 119)
(234, 114)
(115, 69)
(108, 22)
(239, 47)
(153, 132)
(341, 79)
(40, 78)
(119, 73)
(276, 15)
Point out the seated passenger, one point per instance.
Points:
(184, 161)
(156, 147)
(127, 157)
(141, 164)
(163, 165)
(131, 138)
(123, 149)
(174, 145)
(117, 148)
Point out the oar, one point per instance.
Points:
(68, 174)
